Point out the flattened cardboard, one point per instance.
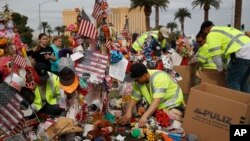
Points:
(211, 109)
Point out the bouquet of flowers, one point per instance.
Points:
(183, 47)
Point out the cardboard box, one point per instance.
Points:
(211, 109)
(187, 73)
(213, 77)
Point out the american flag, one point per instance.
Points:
(20, 61)
(11, 117)
(126, 34)
(97, 11)
(93, 63)
(86, 28)
(108, 44)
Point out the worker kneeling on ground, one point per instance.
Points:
(157, 88)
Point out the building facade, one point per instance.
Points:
(69, 17)
(136, 19)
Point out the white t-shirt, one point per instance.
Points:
(244, 52)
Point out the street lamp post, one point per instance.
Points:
(39, 8)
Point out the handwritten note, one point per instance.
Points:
(118, 70)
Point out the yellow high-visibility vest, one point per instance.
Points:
(160, 86)
(204, 58)
(139, 42)
(52, 93)
(223, 41)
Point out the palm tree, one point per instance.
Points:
(58, 30)
(63, 29)
(44, 26)
(181, 14)
(237, 14)
(147, 4)
(172, 26)
(49, 31)
(206, 4)
(160, 4)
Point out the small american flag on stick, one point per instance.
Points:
(20, 61)
(126, 34)
(97, 11)
(108, 44)
(86, 28)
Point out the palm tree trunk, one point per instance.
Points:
(147, 23)
(44, 30)
(58, 33)
(205, 15)
(147, 12)
(182, 27)
(237, 15)
(157, 16)
(171, 29)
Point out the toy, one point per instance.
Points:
(139, 133)
(103, 129)
(151, 136)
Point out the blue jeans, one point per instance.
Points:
(238, 73)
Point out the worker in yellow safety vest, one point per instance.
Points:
(47, 95)
(205, 61)
(158, 90)
(160, 36)
(230, 50)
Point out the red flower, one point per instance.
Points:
(83, 91)
(162, 118)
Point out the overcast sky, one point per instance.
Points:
(52, 12)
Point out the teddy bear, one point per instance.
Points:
(102, 131)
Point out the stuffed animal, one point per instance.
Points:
(102, 131)
(138, 132)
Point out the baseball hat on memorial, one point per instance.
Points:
(68, 80)
(164, 31)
